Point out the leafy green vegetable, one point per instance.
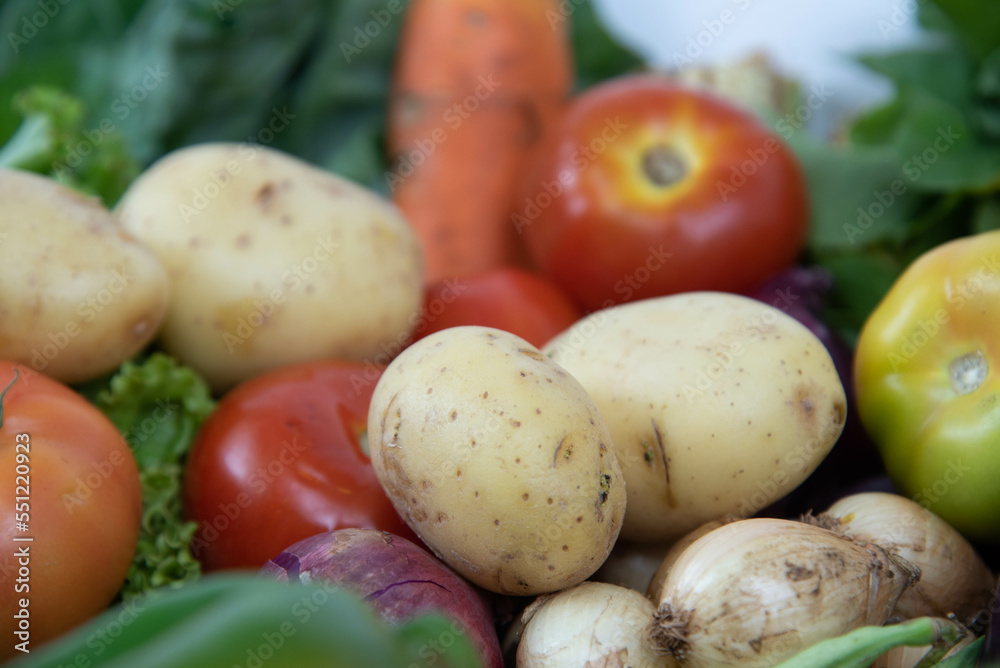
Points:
(158, 406)
(915, 172)
(598, 55)
(53, 141)
(229, 620)
(162, 74)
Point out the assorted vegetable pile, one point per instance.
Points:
(489, 344)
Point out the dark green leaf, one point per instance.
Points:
(343, 96)
(228, 620)
(878, 126)
(944, 73)
(941, 149)
(858, 197)
(976, 23)
(191, 71)
(598, 55)
(69, 50)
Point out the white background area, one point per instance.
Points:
(811, 41)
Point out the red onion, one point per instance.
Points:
(801, 292)
(399, 579)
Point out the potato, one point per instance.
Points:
(716, 404)
(498, 460)
(78, 295)
(272, 261)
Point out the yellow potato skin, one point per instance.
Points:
(78, 295)
(498, 459)
(716, 404)
(273, 261)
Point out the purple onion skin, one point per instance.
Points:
(800, 292)
(401, 581)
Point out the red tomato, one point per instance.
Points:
(513, 300)
(69, 476)
(280, 460)
(650, 189)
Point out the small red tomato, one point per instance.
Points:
(650, 189)
(281, 459)
(514, 300)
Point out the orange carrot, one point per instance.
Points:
(477, 83)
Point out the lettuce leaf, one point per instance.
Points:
(52, 140)
(158, 406)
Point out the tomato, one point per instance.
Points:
(927, 381)
(282, 459)
(649, 189)
(514, 300)
(70, 478)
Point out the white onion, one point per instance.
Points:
(953, 579)
(756, 592)
(593, 625)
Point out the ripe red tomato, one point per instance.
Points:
(514, 300)
(649, 189)
(68, 482)
(280, 460)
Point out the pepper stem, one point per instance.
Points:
(968, 372)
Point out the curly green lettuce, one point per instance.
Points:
(158, 406)
(52, 140)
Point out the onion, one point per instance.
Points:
(676, 550)
(756, 592)
(953, 578)
(631, 564)
(399, 579)
(592, 624)
(902, 657)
